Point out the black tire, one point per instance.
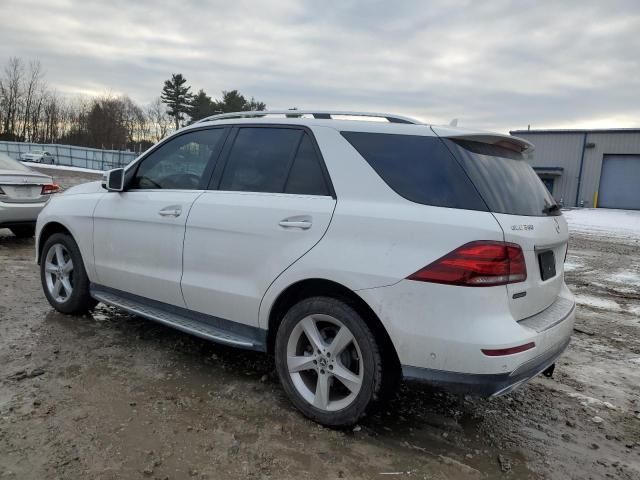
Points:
(80, 301)
(24, 231)
(371, 360)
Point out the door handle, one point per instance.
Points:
(302, 222)
(172, 211)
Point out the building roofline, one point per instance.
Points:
(578, 130)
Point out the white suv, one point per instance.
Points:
(357, 248)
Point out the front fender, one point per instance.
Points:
(73, 213)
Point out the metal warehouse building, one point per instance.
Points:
(590, 168)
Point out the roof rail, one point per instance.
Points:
(320, 114)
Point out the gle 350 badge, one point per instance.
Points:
(521, 227)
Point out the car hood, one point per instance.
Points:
(85, 188)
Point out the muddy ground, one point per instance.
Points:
(112, 396)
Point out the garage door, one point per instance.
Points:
(620, 182)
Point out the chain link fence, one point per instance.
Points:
(92, 158)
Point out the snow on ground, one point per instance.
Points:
(626, 277)
(571, 265)
(597, 302)
(604, 222)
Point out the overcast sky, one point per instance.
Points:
(493, 64)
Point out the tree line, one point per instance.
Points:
(31, 111)
(176, 94)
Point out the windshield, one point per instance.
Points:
(8, 163)
(506, 182)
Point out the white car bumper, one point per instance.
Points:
(19, 213)
(439, 334)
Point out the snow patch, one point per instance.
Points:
(587, 401)
(625, 277)
(597, 302)
(635, 310)
(569, 266)
(603, 222)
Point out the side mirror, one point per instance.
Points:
(115, 180)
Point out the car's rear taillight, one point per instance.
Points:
(482, 263)
(50, 188)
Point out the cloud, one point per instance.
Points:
(497, 65)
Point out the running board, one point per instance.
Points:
(198, 324)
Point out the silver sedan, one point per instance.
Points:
(23, 193)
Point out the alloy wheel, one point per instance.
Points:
(324, 362)
(59, 273)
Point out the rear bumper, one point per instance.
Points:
(440, 331)
(487, 385)
(19, 213)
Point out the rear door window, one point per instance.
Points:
(419, 168)
(274, 160)
(505, 180)
(260, 159)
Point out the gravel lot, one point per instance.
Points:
(112, 396)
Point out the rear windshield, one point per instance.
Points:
(419, 168)
(8, 163)
(505, 180)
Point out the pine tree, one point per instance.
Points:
(201, 106)
(177, 97)
(234, 101)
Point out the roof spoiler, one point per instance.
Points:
(513, 143)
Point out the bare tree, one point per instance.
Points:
(51, 118)
(30, 88)
(36, 116)
(159, 119)
(30, 111)
(10, 91)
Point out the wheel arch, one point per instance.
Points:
(46, 232)
(327, 288)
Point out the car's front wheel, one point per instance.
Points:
(328, 361)
(64, 279)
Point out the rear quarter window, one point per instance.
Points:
(419, 168)
(505, 180)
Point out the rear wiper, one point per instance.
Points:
(550, 209)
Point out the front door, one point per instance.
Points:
(271, 204)
(139, 233)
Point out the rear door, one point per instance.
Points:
(528, 215)
(270, 202)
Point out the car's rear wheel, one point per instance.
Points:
(328, 361)
(24, 231)
(64, 279)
